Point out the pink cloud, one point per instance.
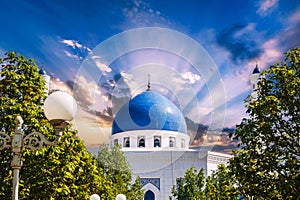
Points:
(265, 6)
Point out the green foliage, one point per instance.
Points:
(191, 186)
(194, 186)
(64, 171)
(21, 93)
(268, 166)
(221, 185)
(117, 170)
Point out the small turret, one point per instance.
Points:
(253, 80)
(46, 78)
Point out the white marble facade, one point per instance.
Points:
(159, 167)
(159, 155)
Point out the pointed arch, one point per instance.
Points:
(149, 195)
(152, 190)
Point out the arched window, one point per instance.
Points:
(141, 142)
(157, 141)
(172, 142)
(126, 142)
(149, 195)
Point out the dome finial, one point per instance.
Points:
(256, 69)
(149, 85)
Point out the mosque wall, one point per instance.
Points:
(161, 168)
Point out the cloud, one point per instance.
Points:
(272, 53)
(57, 84)
(58, 58)
(266, 6)
(140, 14)
(192, 78)
(236, 76)
(274, 47)
(101, 66)
(74, 44)
(237, 50)
(241, 41)
(289, 37)
(232, 52)
(77, 51)
(69, 54)
(85, 92)
(295, 17)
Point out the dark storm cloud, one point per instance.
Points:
(239, 42)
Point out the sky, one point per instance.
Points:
(64, 36)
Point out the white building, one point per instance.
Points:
(153, 134)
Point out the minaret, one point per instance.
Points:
(253, 80)
(46, 78)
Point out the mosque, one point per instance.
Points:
(153, 134)
(154, 138)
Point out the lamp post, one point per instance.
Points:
(59, 108)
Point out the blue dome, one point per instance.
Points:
(42, 72)
(149, 111)
(256, 70)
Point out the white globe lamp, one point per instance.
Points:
(94, 197)
(59, 107)
(121, 197)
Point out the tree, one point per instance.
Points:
(194, 185)
(191, 186)
(117, 170)
(64, 171)
(19, 83)
(267, 166)
(221, 185)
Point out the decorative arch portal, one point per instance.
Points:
(149, 195)
(152, 192)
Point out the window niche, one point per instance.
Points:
(141, 141)
(157, 141)
(126, 142)
(172, 142)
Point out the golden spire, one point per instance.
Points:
(149, 86)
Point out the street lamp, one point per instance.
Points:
(121, 197)
(59, 108)
(97, 197)
(94, 197)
